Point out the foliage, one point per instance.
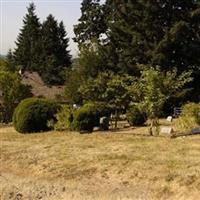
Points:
(55, 58)
(108, 88)
(33, 114)
(189, 118)
(103, 109)
(5, 65)
(192, 109)
(92, 23)
(13, 91)
(63, 118)
(90, 60)
(113, 90)
(104, 123)
(88, 65)
(85, 118)
(27, 52)
(163, 33)
(143, 32)
(135, 116)
(72, 84)
(154, 88)
(42, 48)
(10, 60)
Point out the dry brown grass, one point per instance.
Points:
(126, 164)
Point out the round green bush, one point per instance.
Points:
(135, 117)
(85, 118)
(33, 114)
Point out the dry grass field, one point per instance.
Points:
(120, 165)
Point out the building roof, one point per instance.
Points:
(39, 88)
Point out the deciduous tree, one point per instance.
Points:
(12, 92)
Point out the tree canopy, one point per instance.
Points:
(141, 33)
(43, 47)
(55, 58)
(12, 92)
(27, 52)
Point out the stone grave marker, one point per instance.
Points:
(169, 118)
(166, 130)
(196, 130)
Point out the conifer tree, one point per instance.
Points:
(55, 56)
(64, 53)
(10, 60)
(27, 52)
(156, 32)
(92, 22)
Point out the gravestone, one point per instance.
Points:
(167, 130)
(104, 123)
(196, 130)
(169, 118)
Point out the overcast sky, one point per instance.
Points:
(13, 11)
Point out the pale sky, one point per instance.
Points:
(13, 11)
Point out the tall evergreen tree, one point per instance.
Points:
(92, 23)
(9, 56)
(157, 32)
(10, 60)
(55, 56)
(27, 52)
(64, 54)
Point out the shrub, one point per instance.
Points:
(189, 118)
(64, 117)
(85, 118)
(99, 109)
(33, 114)
(12, 92)
(193, 110)
(135, 117)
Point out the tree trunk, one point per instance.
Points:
(116, 118)
(151, 128)
(154, 124)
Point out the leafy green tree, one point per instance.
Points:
(73, 82)
(88, 65)
(27, 52)
(55, 57)
(12, 92)
(4, 65)
(112, 90)
(154, 88)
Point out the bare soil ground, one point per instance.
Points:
(126, 165)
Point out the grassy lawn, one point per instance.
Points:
(114, 165)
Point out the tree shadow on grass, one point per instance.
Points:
(184, 135)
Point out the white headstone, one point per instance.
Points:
(166, 130)
(169, 118)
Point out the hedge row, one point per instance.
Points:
(38, 114)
